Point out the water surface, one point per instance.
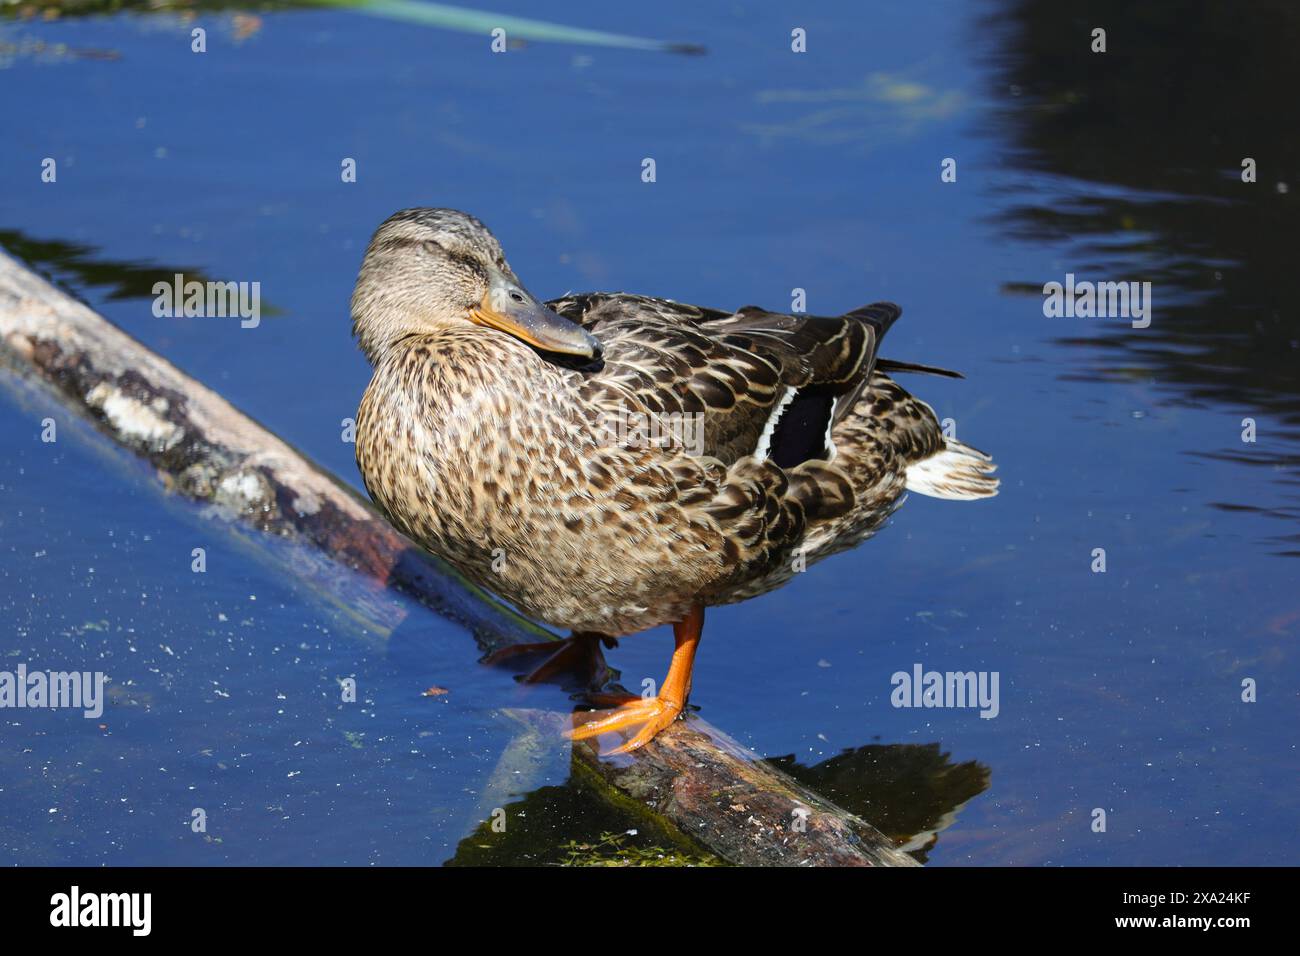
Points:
(775, 171)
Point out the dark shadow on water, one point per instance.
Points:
(1145, 145)
(909, 792)
(76, 268)
(80, 267)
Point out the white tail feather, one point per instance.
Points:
(958, 472)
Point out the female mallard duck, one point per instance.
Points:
(611, 462)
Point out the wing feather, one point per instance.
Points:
(734, 370)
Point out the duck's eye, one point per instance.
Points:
(431, 247)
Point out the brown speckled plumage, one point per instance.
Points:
(498, 456)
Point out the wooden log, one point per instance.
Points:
(692, 776)
(719, 795)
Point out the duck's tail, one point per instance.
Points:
(893, 365)
(958, 472)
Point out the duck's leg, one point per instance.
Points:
(579, 654)
(654, 713)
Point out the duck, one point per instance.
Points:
(610, 462)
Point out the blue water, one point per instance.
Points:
(775, 171)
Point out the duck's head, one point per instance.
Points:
(427, 270)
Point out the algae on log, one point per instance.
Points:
(693, 776)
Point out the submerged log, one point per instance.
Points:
(693, 777)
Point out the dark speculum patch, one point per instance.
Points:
(800, 434)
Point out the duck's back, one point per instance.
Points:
(818, 441)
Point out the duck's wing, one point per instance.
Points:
(749, 382)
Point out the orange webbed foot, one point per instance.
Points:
(652, 714)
